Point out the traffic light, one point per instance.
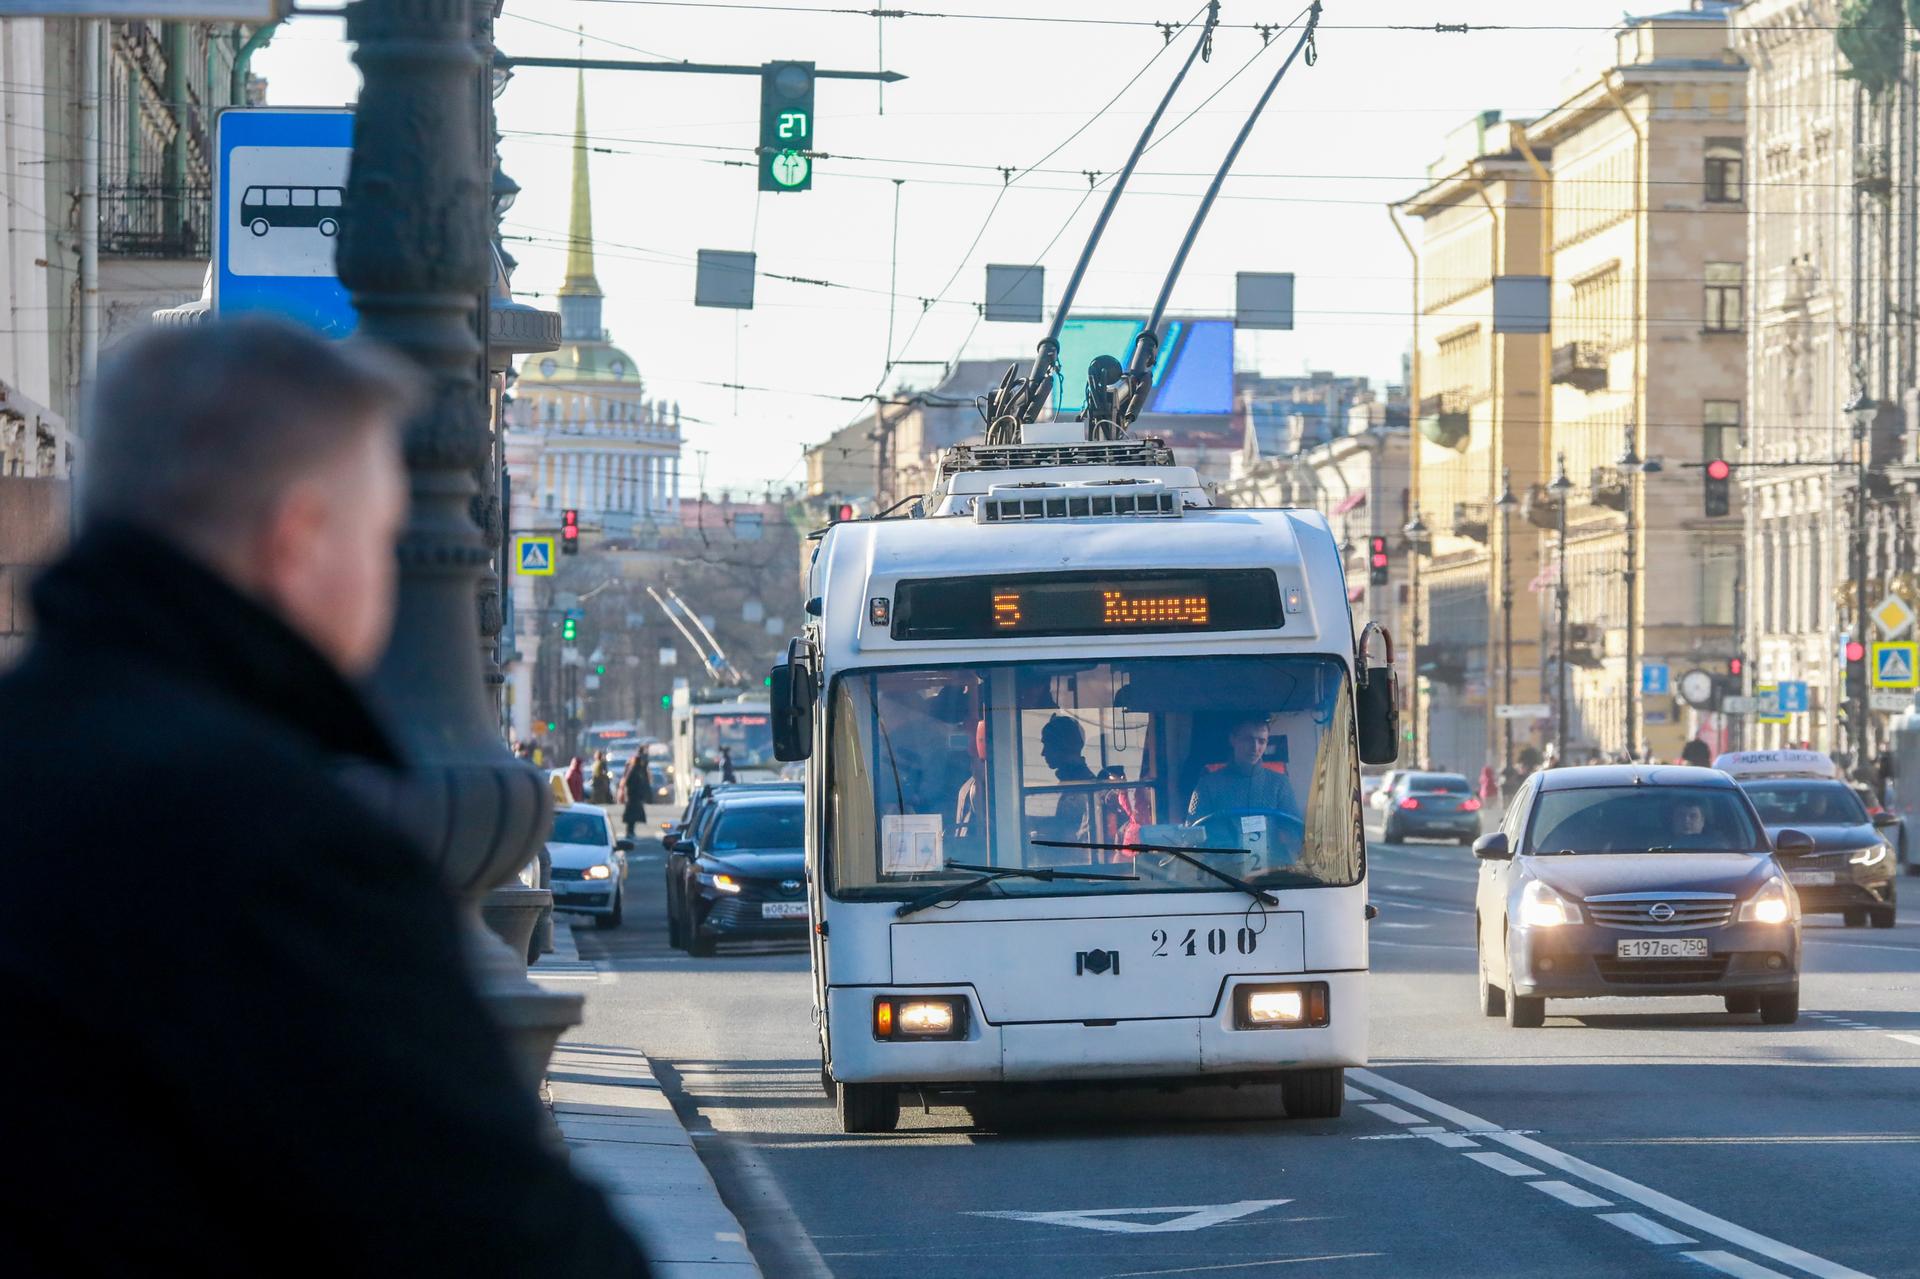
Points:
(840, 511)
(569, 628)
(666, 701)
(600, 669)
(1736, 666)
(1718, 481)
(1855, 654)
(569, 532)
(1377, 560)
(786, 126)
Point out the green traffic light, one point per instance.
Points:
(666, 701)
(600, 669)
(766, 681)
(551, 725)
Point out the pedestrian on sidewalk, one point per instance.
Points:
(259, 1038)
(600, 788)
(634, 785)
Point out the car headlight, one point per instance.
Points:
(898, 1018)
(600, 871)
(1541, 907)
(1771, 905)
(1871, 855)
(725, 883)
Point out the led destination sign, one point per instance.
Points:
(1087, 604)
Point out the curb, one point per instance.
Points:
(622, 1134)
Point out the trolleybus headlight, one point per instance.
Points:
(1280, 1007)
(1768, 906)
(898, 1018)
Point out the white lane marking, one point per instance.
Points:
(1394, 923)
(1418, 945)
(1190, 1217)
(1461, 880)
(1503, 1163)
(1451, 1140)
(1905, 1039)
(1245, 1265)
(1666, 1205)
(1392, 1112)
(1646, 1228)
(1570, 1194)
(1354, 1094)
(1857, 945)
(1399, 904)
(1728, 1264)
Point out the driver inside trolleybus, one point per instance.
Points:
(1246, 779)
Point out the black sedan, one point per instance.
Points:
(1851, 869)
(1636, 880)
(741, 877)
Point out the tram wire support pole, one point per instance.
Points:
(1505, 504)
(1419, 539)
(1562, 489)
(1861, 410)
(414, 251)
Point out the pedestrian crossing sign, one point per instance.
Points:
(1896, 664)
(534, 555)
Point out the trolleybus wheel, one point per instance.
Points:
(867, 1107)
(1313, 1094)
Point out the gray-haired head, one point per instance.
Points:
(197, 432)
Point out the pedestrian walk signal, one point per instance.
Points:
(569, 532)
(1717, 496)
(1377, 563)
(786, 126)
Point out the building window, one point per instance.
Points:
(1725, 297)
(1726, 171)
(1718, 568)
(1720, 431)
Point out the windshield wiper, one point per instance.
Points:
(989, 875)
(1186, 855)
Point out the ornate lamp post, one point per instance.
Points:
(1506, 504)
(414, 252)
(1631, 466)
(1419, 541)
(1561, 488)
(1861, 410)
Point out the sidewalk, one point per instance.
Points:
(623, 1133)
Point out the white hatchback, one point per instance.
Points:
(589, 865)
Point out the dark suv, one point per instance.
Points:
(1431, 806)
(739, 875)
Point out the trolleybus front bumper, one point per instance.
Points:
(1060, 1051)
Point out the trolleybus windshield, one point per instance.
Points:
(1250, 757)
(747, 735)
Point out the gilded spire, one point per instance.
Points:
(580, 280)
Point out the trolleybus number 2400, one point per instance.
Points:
(1245, 940)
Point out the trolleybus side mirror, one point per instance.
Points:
(1377, 701)
(790, 702)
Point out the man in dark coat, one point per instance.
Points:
(241, 1036)
(634, 785)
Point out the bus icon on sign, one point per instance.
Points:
(263, 208)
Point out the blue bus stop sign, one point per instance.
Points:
(279, 188)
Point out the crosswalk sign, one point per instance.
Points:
(1896, 664)
(534, 556)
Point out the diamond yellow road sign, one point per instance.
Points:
(1892, 616)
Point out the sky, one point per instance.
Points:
(1338, 141)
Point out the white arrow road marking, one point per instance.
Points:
(1190, 1217)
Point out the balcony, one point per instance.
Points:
(1540, 507)
(155, 220)
(1470, 521)
(1607, 486)
(1444, 419)
(1582, 365)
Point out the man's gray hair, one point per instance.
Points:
(197, 433)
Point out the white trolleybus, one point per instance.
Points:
(707, 736)
(1083, 785)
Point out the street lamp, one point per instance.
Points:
(1861, 410)
(414, 253)
(1561, 488)
(505, 190)
(1419, 539)
(1632, 467)
(1506, 503)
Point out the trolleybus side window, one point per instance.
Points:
(991, 765)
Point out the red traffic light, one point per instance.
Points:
(1378, 551)
(1719, 469)
(1736, 666)
(844, 511)
(1856, 651)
